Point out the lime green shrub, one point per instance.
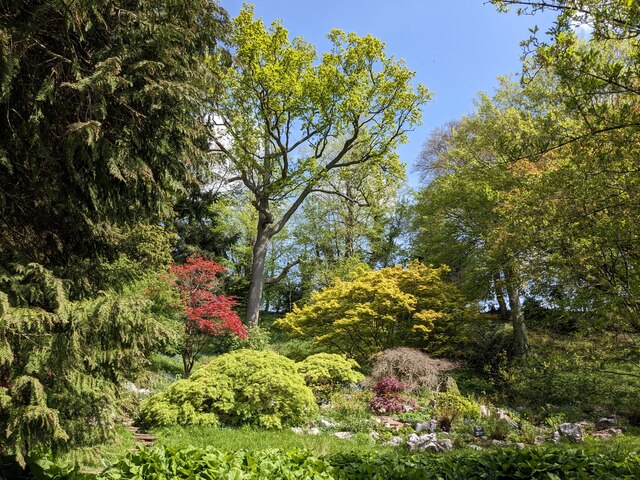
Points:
(330, 369)
(325, 372)
(243, 387)
(452, 408)
(259, 339)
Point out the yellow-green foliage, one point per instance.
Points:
(329, 369)
(452, 408)
(61, 362)
(242, 387)
(377, 310)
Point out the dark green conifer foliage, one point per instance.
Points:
(101, 124)
(200, 228)
(101, 127)
(62, 363)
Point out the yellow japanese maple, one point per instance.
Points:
(376, 310)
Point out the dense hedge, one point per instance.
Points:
(537, 463)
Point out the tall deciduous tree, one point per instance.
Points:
(461, 219)
(280, 108)
(583, 209)
(334, 227)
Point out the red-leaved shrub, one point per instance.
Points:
(387, 385)
(207, 313)
(388, 398)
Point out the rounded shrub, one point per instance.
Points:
(329, 369)
(452, 408)
(242, 387)
(414, 368)
(388, 398)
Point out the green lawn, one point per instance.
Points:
(253, 439)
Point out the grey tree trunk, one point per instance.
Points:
(256, 284)
(520, 339)
(502, 304)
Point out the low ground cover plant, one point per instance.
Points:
(209, 463)
(505, 464)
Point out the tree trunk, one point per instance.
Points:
(502, 304)
(187, 363)
(520, 340)
(256, 284)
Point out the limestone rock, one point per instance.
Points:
(604, 423)
(586, 426)
(395, 441)
(607, 434)
(132, 388)
(428, 443)
(389, 422)
(505, 416)
(446, 444)
(418, 442)
(326, 423)
(429, 426)
(571, 431)
(343, 435)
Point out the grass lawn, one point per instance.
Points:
(254, 439)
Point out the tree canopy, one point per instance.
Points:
(102, 125)
(376, 310)
(284, 120)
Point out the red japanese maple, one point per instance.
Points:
(207, 312)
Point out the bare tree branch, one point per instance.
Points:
(282, 274)
(340, 194)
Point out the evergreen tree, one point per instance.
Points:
(101, 129)
(102, 120)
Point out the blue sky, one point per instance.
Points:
(456, 47)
